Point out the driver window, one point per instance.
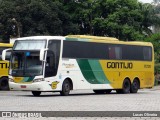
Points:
(52, 59)
(50, 64)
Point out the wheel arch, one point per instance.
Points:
(3, 77)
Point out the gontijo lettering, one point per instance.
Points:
(3, 65)
(124, 65)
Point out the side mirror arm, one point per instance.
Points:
(41, 56)
(4, 53)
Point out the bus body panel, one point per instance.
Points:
(90, 73)
(4, 65)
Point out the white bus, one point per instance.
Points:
(60, 64)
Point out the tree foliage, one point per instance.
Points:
(155, 39)
(34, 17)
(123, 19)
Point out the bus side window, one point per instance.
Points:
(147, 53)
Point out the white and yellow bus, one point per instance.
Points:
(60, 64)
(4, 67)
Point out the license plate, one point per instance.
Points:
(23, 86)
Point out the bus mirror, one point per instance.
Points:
(6, 54)
(41, 56)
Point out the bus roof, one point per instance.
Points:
(88, 38)
(92, 37)
(41, 37)
(6, 45)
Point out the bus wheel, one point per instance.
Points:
(135, 86)
(66, 87)
(125, 88)
(36, 93)
(4, 83)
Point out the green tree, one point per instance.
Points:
(155, 39)
(118, 18)
(150, 18)
(34, 17)
(123, 19)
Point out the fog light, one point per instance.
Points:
(11, 80)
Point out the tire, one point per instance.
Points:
(125, 88)
(102, 91)
(66, 87)
(36, 93)
(4, 83)
(135, 86)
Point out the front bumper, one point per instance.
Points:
(37, 86)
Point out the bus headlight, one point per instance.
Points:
(38, 80)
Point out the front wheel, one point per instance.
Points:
(36, 93)
(66, 87)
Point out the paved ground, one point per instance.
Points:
(82, 100)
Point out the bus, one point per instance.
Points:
(4, 67)
(61, 64)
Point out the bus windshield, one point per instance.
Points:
(25, 63)
(29, 44)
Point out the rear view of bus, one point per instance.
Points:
(4, 67)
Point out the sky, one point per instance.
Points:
(146, 1)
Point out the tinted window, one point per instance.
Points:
(73, 49)
(147, 53)
(76, 49)
(132, 52)
(115, 52)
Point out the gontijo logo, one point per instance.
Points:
(128, 65)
